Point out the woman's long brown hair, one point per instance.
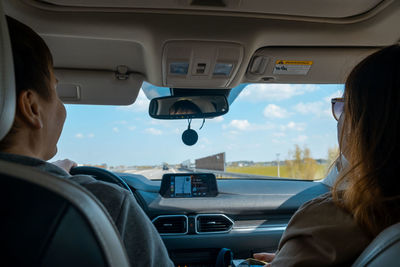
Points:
(369, 187)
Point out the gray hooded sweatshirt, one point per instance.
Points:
(142, 241)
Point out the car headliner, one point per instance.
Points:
(94, 36)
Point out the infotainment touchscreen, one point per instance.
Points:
(187, 185)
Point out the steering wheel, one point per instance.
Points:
(102, 175)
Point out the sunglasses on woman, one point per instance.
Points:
(337, 107)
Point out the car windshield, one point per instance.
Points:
(270, 131)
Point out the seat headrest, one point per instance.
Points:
(383, 250)
(7, 78)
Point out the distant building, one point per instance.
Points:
(214, 162)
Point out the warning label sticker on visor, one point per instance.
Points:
(292, 67)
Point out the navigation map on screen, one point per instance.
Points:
(189, 185)
(183, 186)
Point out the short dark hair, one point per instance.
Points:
(32, 59)
(32, 63)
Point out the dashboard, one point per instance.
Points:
(245, 215)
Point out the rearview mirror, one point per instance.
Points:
(188, 107)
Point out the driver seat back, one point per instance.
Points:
(50, 221)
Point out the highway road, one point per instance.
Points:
(154, 174)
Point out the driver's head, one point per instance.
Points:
(40, 114)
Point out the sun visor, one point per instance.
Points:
(97, 87)
(304, 65)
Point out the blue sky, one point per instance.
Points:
(265, 119)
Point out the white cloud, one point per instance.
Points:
(115, 130)
(153, 131)
(140, 105)
(274, 92)
(274, 111)
(240, 124)
(316, 108)
(293, 126)
(132, 128)
(81, 135)
(244, 125)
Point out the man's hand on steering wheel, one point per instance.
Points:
(102, 175)
(65, 164)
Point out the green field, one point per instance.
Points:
(273, 171)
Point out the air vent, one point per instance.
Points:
(171, 224)
(213, 223)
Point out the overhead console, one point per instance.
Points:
(197, 64)
(304, 64)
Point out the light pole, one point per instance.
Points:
(277, 161)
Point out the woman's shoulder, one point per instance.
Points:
(324, 199)
(321, 219)
(321, 233)
(322, 209)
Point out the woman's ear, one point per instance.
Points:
(29, 109)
